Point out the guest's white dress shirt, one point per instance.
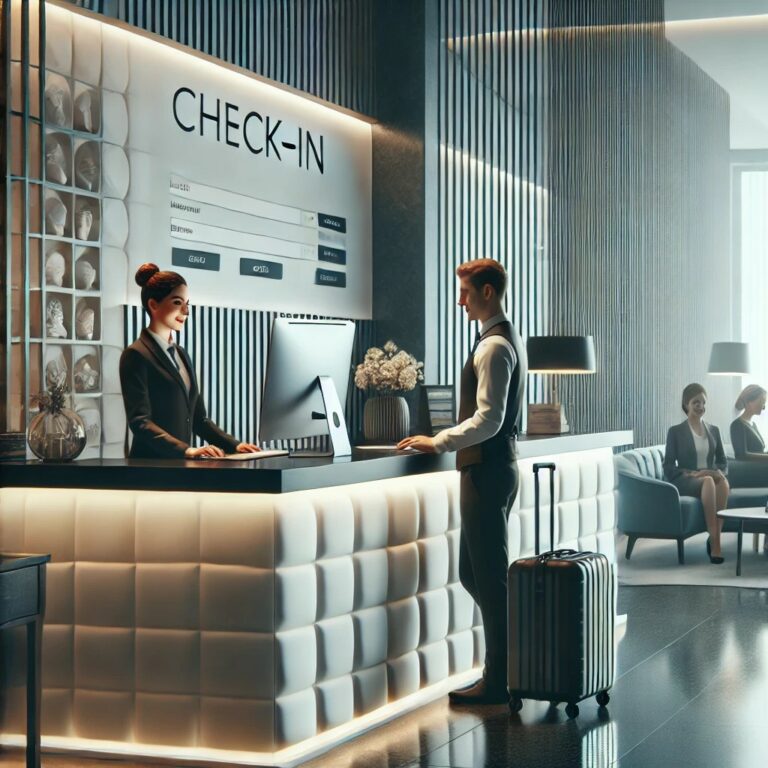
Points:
(494, 360)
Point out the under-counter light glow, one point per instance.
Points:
(282, 758)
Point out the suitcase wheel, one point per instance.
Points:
(515, 704)
(603, 698)
(572, 710)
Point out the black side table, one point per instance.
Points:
(22, 601)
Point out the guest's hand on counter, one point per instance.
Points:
(205, 450)
(247, 448)
(419, 443)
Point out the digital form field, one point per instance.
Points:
(214, 217)
(224, 198)
(207, 213)
(241, 240)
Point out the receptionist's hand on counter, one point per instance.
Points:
(419, 443)
(247, 448)
(205, 450)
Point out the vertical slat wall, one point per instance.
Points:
(639, 215)
(492, 80)
(323, 47)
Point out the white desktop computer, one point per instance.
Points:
(305, 388)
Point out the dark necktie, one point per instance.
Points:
(172, 353)
(478, 337)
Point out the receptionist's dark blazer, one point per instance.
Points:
(680, 451)
(162, 415)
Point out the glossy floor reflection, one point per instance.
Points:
(692, 690)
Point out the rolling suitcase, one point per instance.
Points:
(561, 606)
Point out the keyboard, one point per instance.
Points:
(246, 456)
(386, 447)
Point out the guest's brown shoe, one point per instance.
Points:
(480, 693)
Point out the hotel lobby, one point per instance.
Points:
(236, 512)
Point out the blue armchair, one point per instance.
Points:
(652, 508)
(747, 474)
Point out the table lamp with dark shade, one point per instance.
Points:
(729, 358)
(556, 355)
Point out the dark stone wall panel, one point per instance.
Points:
(399, 184)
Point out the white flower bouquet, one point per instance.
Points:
(389, 370)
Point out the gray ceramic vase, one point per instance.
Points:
(386, 419)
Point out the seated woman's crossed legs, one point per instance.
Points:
(713, 492)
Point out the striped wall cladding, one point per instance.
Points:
(638, 213)
(321, 47)
(492, 167)
(229, 350)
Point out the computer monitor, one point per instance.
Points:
(305, 388)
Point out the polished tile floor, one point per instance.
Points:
(692, 690)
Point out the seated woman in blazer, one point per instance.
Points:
(162, 400)
(745, 436)
(694, 461)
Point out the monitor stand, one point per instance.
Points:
(334, 417)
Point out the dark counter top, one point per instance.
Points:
(276, 475)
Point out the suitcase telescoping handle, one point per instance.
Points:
(551, 467)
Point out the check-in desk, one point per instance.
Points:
(261, 612)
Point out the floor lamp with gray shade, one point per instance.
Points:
(729, 358)
(556, 355)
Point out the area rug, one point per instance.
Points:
(654, 561)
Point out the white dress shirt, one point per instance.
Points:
(493, 362)
(176, 360)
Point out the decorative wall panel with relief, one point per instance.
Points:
(86, 182)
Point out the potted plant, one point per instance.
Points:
(385, 373)
(56, 433)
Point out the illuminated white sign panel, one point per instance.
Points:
(259, 197)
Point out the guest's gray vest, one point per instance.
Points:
(500, 447)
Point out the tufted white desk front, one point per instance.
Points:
(262, 628)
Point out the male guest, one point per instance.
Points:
(492, 384)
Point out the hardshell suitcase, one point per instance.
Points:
(561, 622)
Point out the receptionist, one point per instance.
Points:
(162, 400)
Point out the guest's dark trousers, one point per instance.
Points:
(487, 493)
